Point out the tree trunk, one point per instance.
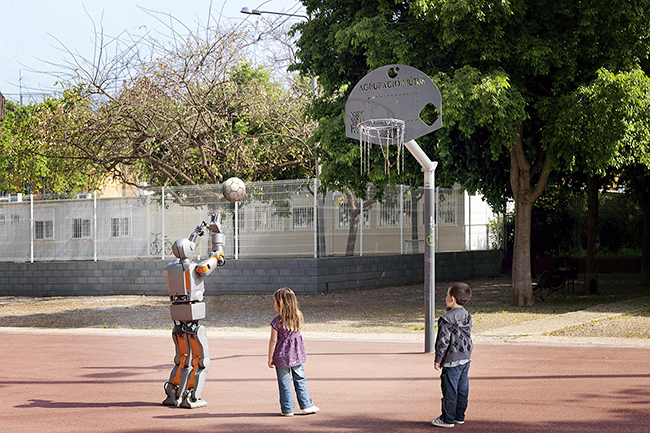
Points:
(354, 222)
(522, 286)
(524, 195)
(352, 234)
(355, 219)
(593, 237)
(645, 257)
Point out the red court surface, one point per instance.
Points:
(114, 383)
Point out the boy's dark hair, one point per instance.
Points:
(461, 292)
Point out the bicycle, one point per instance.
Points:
(155, 246)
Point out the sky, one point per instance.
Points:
(33, 33)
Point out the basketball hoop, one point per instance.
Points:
(384, 132)
(401, 91)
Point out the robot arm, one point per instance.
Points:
(216, 258)
(198, 232)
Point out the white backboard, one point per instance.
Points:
(393, 92)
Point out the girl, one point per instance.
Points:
(287, 353)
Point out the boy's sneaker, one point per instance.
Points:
(458, 422)
(310, 410)
(286, 414)
(440, 423)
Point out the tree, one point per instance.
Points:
(190, 110)
(607, 123)
(638, 181)
(502, 67)
(22, 164)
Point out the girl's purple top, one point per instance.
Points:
(290, 349)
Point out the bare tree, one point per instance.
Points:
(181, 109)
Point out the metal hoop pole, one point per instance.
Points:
(429, 168)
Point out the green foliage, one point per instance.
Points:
(559, 218)
(497, 64)
(606, 123)
(25, 157)
(621, 225)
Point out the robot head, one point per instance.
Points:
(183, 248)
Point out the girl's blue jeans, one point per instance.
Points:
(285, 376)
(455, 391)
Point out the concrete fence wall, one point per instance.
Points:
(244, 276)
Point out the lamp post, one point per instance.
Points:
(249, 11)
(318, 243)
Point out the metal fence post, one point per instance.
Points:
(315, 218)
(162, 195)
(469, 219)
(236, 230)
(437, 205)
(95, 226)
(361, 228)
(31, 228)
(401, 219)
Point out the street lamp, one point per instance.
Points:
(249, 11)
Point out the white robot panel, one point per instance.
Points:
(184, 283)
(188, 312)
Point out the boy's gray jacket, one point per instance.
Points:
(454, 339)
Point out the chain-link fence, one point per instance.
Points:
(281, 218)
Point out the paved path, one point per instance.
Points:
(110, 382)
(533, 331)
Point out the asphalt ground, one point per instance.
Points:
(110, 382)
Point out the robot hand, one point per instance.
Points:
(215, 223)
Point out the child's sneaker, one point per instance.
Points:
(310, 410)
(286, 414)
(440, 423)
(458, 422)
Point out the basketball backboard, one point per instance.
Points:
(395, 92)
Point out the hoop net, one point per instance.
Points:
(384, 132)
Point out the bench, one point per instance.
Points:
(555, 281)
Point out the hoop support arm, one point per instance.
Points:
(427, 165)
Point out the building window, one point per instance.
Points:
(15, 218)
(266, 219)
(344, 216)
(120, 227)
(303, 218)
(389, 215)
(80, 228)
(448, 208)
(44, 229)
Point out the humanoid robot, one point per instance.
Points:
(185, 283)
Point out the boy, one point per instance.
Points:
(453, 353)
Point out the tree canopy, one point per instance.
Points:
(22, 162)
(180, 110)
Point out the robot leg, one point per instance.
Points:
(200, 361)
(178, 379)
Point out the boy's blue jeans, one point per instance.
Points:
(285, 375)
(455, 391)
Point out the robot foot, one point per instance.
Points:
(171, 399)
(171, 402)
(192, 403)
